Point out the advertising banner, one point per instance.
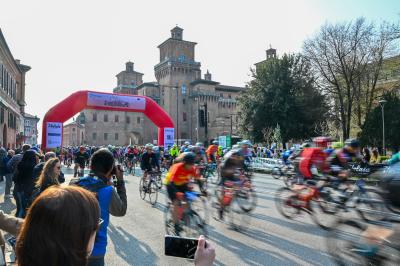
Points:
(116, 101)
(54, 135)
(222, 141)
(169, 134)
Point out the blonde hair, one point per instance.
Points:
(48, 175)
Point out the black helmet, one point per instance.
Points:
(354, 143)
(189, 157)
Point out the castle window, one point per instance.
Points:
(184, 117)
(138, 120)
(105, 117)
(116, 136)
(128, 119)
(94, 136)
(105, 136)
(94, 117)
(116, 118)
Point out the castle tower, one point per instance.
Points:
(128, 80)
(271, 53)
(174, 73)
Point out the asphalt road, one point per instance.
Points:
(268, 238)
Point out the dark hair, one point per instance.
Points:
(26, 165)
(102, 162)
(58, 227)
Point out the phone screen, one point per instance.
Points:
(180, 247)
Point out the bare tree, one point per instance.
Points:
(347, 58)
(267, 133)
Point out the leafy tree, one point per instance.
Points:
(347, 59)
(282, 92)
(277, 137)
(371, 133)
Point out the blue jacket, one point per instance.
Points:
(104, 194)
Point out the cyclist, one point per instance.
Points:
(148, 161)
(234, 160)
(395, 158)
(185, 147)
(80, 159)
(174, 152)
(339, 160)
(211, 151)
(177, 180)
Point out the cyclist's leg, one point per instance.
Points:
(75, 169)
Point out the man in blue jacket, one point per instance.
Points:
(111, 200)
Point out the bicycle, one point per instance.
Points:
(347, 246)
(149, 187)
(189, 216)
(290, 202)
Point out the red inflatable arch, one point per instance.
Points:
(76, 102)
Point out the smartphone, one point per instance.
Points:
(180, 247)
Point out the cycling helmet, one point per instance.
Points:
(337, 145)
(246, 142)
(235, 147)
(199, 144)
(148, 146)
(215, 142)
(156, 148)
(187, 143)
(354, 143)
(188, 157)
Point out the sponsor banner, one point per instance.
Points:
(116, 101)
(222, 141)
(169, 134)
(54, 134)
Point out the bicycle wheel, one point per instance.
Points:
(142, 189)
(153, 192)
(276, 172)
(194, 226)
(238, 219)
(246, 197)
(286, 202)
(320, 216)
(168, 221)
(159, 181)
(345, 242)
(371, 205)
(200, 207)
(215, 202)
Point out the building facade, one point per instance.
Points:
(12, 97)
(201, 108)
(74, 134)
(30, 129)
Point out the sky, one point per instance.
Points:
(77, 45)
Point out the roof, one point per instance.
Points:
(177, 28)
(74, 123)
(148, 84)
(175, 40)
(203, 81)
(229, 88)
(130, 72)
(26, 115)
(20, 67)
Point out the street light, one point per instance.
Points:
(177, 114)
(382, 104)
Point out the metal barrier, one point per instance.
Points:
(265, 164)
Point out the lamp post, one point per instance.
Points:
(177, 114)
(382, 104)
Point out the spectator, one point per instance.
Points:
(366, 155)
(49, 177)
(9, 224)
(111, 201)
(9, 175)
(38, 168)
(24, 183)
(375, 158)
(3, 167)
(59, 229)
(12, 164)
